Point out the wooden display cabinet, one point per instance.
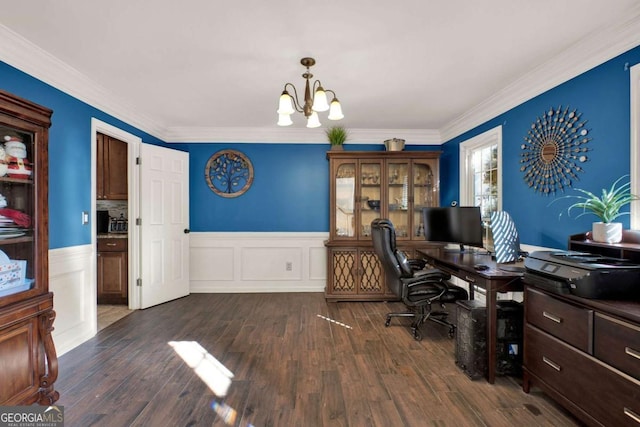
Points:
(28, 361)
(365, 185)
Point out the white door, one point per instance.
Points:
(164, 212)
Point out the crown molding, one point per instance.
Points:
(588, 53)
(20, 53)
(298, 135)
(582, 56)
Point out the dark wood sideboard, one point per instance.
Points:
(585, 353)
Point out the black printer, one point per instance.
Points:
(583, 274)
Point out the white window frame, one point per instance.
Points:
(635, 144)
(490, 137)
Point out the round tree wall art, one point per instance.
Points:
(554, 149)
(229, 173)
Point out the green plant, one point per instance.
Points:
(336, 135)
(607, 206)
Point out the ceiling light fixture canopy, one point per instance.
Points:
(312, 104)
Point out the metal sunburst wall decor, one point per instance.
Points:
(554, 149)
(229, 173)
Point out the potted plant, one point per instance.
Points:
(606, 208)
(336, 135)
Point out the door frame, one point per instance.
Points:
(133, 207)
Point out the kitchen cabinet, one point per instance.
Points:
(365, 185)
(112, 270)
(111, 168)
(28, 360)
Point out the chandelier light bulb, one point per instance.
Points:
(313, 121)
(320, 100)
(284, 120)
(335, 113)
(286, 104)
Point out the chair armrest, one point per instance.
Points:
(433, 273)
(417, 264)
(422, 281)
(428, 288)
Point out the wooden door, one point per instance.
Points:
(164, 238)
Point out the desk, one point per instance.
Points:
(492, 280)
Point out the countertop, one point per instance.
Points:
(112, 235)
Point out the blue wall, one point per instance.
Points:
(290, 190)
(602, 96)
(69, 153)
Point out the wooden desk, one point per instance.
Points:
(492, 280)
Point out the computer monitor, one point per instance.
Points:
(461, 225)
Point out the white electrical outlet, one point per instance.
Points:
(289, 266)
(85, 217)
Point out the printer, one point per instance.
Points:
(583, 274)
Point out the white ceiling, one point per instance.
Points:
(203, 69)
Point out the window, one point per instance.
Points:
(480, 173)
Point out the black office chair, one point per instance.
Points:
(418, 290)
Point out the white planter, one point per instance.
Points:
(607, 232)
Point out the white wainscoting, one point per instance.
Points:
(74, 296)
(241, 262)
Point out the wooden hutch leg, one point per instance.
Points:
(47, 393)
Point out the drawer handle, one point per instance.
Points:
(629, 413)
(551, 363)
(110, 244)
(552, 317)
(631, 352)
(469, 279)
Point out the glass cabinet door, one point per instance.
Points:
(398, 197)
(370, 196)
(17, 208)
(425, 192)
(345, 200)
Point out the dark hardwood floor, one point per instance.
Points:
(292, 368)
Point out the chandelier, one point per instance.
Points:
(312, 104)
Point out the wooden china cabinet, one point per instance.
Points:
(365, 185)
(28, 361)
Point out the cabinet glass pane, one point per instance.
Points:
(17, 248)
(345, 200)
(370, 185)
(425, 194)
(398, 177)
